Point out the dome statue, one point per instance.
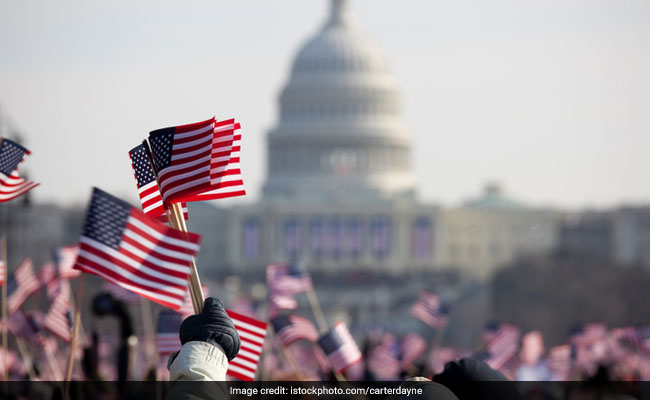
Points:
(340, 135)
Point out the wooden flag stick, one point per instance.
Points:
(27, 359)
(322, 323)
(75, 331)
(196, 292)
(176, 220)
(317, 311)
(54, 366)
(5, 342)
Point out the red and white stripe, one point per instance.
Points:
(120, 293)
(13, 186)
(189, 172)
(152, 260)
(502, 346)
(559, 361)
(252, 334)
(168, 342)
(225, 171)
(300, 328)
(57, 319)
(67, 255)
(427, 310)
(26, 284)
(413, 346)
(348, 353)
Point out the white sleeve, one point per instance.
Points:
(198, 361)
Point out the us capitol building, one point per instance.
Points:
(340, 191)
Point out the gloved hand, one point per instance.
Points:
(213, 326)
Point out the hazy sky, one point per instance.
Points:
(549, 97)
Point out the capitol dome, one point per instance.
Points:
(340, 135)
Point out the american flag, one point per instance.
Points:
(279, 302)
(150, 198)
(194, 161)
(252, 334)
(167, 339)
(57, 287)
(429, 310)
(136, 252)
(226, 145)
(65, 258)
(384, 361)
(121, 294)
(501, 344)
(22, 284)
(413, 346)
(559, 361)
(58, 319)
(589, 333)
(629, 336)
(21, 326)
(47, 274)
(339, 347)
(11, 184)
(290, 328)
(288, 278)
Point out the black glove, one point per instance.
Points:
(214, 326)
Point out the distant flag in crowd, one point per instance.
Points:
(121, 294)
(413, 346)
(134, 251)
(59, 287)
(339, 347)
(47, 274)
(22, 284)
(193, 161)
(11, 184)
(429, 310)
(148, 191)
(291, 328)
(58, 319)
(284, 281)
(589, 333)
(384, 360)
(629, 336)
(559, 361)
(20, 326)
(167, 339)
(288, 278)
(501, 344)
(65, 258)
(252, 334)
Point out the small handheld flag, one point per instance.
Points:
(128, 248)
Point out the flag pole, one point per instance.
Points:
(196, 292)
(317, 311)
(176, 220)
(75, 332)
(27, 359)
(5, 343)
(289, 357)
